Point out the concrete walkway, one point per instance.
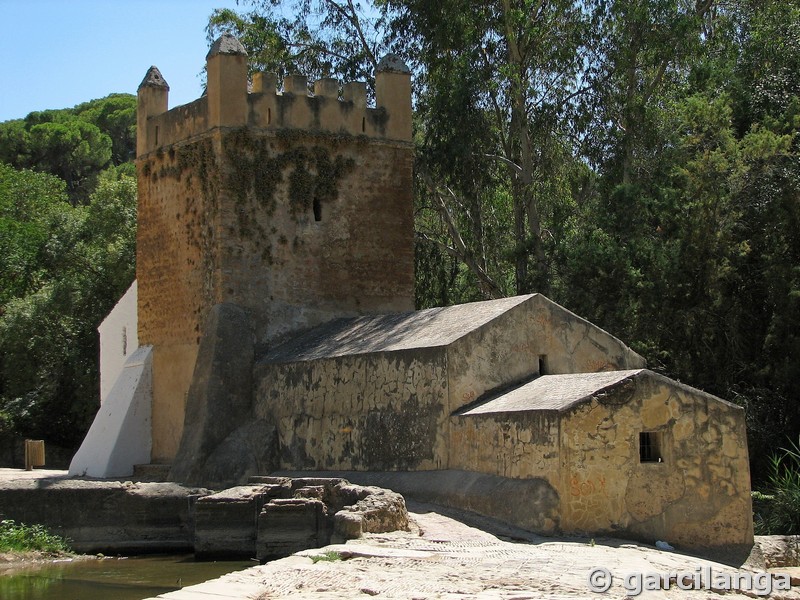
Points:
(442, 557)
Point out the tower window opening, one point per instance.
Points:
(124, 341)
(363, 124)
(542, 364)
(650, 447)
(317, 210)
(156, 135)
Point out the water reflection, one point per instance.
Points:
(120, 579)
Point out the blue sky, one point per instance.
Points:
(59, 53)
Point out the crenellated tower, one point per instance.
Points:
(294, 206)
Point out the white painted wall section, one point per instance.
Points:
(118, 339)
(120, 436)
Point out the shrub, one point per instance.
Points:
(18, 537)
(777, 509)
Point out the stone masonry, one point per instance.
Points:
(275, 299)
(295, 207)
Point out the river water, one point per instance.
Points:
(110, 578)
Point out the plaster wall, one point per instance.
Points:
(381, 411)
(120, 435)
(523, 447)
(508, 350)
(571, 344)
(173, 367)
(118, 340)
(698, 495)
(516, 445)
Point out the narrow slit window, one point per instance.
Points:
(363, 124)
(317, 210)
(542, 364)
(269, 116)
(650, 447)
(156, 135)
(124, 341)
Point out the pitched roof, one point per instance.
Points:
(428, 328)
(553, 392)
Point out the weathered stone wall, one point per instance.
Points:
(571, 344)
(380, 411)
(314, 227)
(517, 445)
(296, 208)
(106, 516)
(698, 495)
(505, 349)
(175, 260)
(535, 332)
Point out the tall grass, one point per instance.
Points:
(18, 537)
(776, 509)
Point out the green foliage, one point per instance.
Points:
(328, 556)
(18, 537)
(73, 144)
(637, 160)
(66, 267)
(27, 203)
(494, 91)
(319, 39)
(115, 116)
(777, 508)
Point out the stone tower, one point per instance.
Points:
(296, 207)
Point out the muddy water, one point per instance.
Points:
(110, 578)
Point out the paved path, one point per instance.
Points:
(444, 558)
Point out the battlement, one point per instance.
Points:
(227, 103)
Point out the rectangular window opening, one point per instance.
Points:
(650, 447)
(542, 364)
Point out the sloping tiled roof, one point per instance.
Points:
(553, 392)
(419, 329)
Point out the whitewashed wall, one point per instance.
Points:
(118, 340)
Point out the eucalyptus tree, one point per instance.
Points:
(317, 38)
(497, 83)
